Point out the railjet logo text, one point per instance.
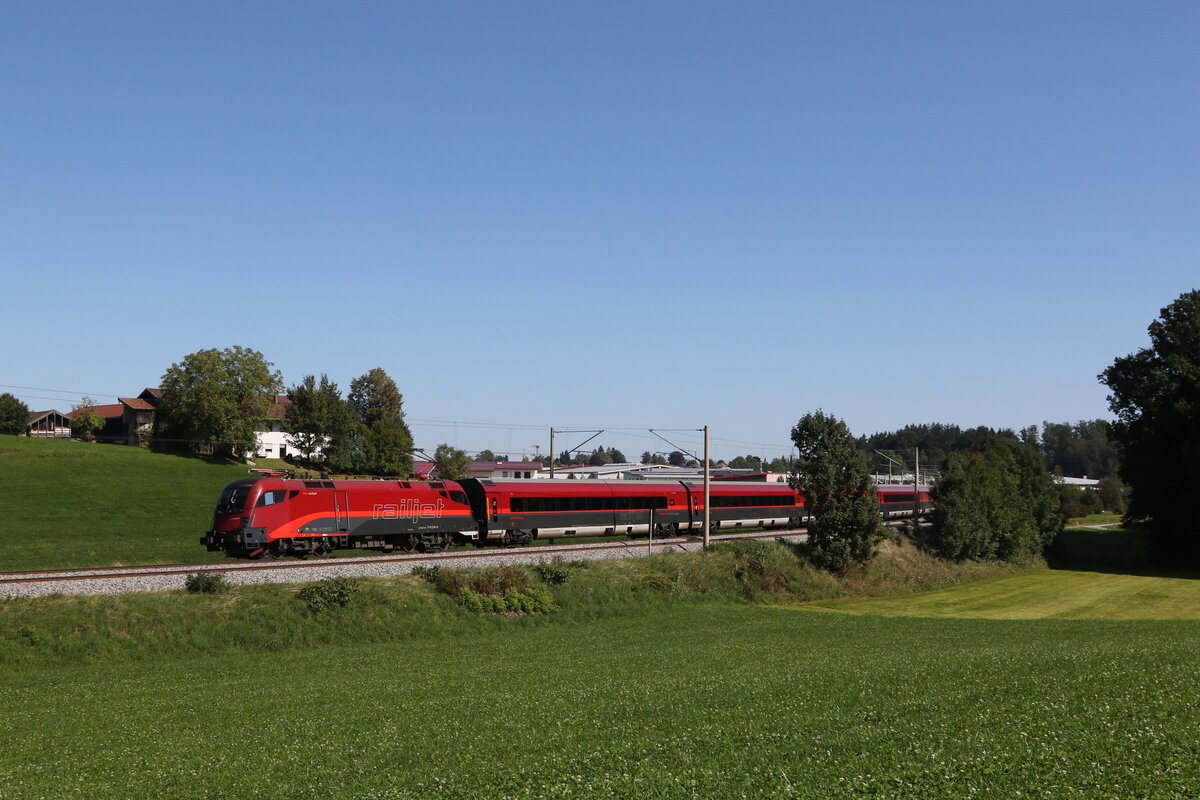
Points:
(407, 509)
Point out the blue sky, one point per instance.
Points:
(617, 215)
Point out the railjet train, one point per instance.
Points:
(277, 516)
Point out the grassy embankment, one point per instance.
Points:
(69, 504)
(64, 630)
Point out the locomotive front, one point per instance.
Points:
(233, 527)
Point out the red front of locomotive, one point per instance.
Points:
(246, 510)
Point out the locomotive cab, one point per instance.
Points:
(234, 528)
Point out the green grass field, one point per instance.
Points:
(70, 504)
(656, 679)
(695, 700)
(624, 693)
(1045, 594)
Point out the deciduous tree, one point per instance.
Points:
(995, 501)
(85, 419)
(14, 415)
(218, 399)
(838, 491)
(1155, 394)
(452, 463)
(385, 445)
(322, 424)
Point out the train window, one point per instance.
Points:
(293, 493)
(271, 498)
(517, 504)
(459, 497)
(233, 499)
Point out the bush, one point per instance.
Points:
(658, 581)
(765, 567)
(330, 593)
(497, 590)
(557, 573)
(430, 574)
(206, 583)
(541, 600)
(515, 601)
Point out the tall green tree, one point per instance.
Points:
(839, 493)
(1155, 394)
(14, 415)
(485, 455)
(995, 501)
(218, 399)
(322, 424)
(452, 463)
(385, 445)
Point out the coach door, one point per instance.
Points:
(341, 511)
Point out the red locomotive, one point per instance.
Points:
(277, 516)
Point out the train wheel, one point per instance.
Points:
(277, 549)
(408, 543)
(445, 541)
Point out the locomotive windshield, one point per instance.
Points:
(233, 498)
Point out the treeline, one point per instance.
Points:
(1073, 449)
(217, 401)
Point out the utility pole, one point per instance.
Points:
(916, 485)
(592, 431)
(707, 477)
(707, 516)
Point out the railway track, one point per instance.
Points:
(164, 577)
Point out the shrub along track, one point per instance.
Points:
(162, 577)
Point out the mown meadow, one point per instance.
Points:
(691, 700)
